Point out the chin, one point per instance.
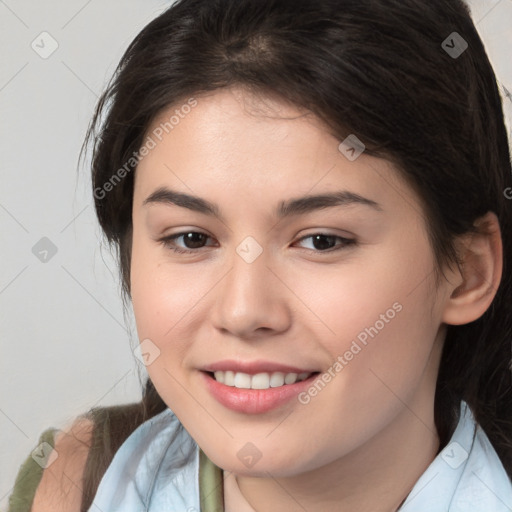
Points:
(261, 467)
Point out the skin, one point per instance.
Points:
(364, 440)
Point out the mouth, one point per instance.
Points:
(256, 393)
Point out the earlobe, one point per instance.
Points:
(481, 255)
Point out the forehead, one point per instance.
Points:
(233, 142)
(232, 122)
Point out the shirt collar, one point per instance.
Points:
(466, 476)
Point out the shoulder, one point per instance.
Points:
(157, 464)
(60, 488)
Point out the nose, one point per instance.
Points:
(251, 301)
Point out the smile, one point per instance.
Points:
(256, 393)
(263, 380)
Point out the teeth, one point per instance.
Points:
(242, 380)
(290, 378)
(276, 380)
(259, 381)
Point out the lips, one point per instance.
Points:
(254, 367)
(255, 387)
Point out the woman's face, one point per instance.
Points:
(338, 291)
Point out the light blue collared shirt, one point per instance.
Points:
(157, 469)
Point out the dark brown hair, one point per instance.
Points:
(374, 68)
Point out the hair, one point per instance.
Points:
(373, 68)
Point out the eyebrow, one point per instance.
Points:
(295, 206)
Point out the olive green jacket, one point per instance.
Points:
(29, 476)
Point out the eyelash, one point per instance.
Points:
(168, 242)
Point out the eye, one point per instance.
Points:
(193, 240)
(322, 242)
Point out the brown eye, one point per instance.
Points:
(192, 240)
(325, 242)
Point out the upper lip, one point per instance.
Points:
(254, 367)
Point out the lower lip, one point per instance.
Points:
(254, 401)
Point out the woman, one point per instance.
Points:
(309, 200)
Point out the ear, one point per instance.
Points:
(472, 291)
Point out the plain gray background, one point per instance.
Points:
(65, 344)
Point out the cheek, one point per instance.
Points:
(372, 297)
(376, 322)
(163, 307)
(168, 302)
(155, 291)
(157, 296)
